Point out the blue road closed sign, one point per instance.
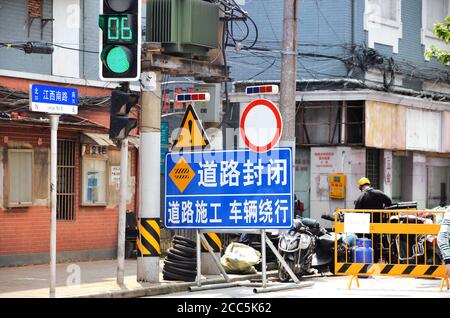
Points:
(229, 189)
(53, 99)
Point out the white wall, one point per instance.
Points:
(423, 130)
(381, 30)
(419, 180)
(387, 172)
(66, 32)
(215, 138)
(327, 160)
(435, 177)
(415, 177)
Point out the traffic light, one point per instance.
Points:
(120, 124)
(120, 40)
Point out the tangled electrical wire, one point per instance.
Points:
(12, 100)
(235, 20)
(241, 31)
(30, 47)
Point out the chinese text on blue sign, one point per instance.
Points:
(53, 99)
(238, 189)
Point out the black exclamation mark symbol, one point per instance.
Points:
(190, 123)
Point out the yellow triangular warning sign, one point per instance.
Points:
(191, 135)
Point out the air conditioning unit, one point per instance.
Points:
(183, 27)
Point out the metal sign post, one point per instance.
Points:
(264, 286)
(54, 121)
(263, 252)
(55, 101)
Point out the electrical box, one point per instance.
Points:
(183, 27)
(338, 183)
(209, 111)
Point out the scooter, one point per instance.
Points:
(297, 248)
(307, 247)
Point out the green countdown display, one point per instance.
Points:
(119, 29)
(120, 40)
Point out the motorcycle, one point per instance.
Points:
(307, 247)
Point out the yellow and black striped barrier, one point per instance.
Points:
(390, 269)
(213, 241)
(148, 240)
(399, 244)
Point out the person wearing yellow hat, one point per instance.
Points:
(363, 182)
(372, 199)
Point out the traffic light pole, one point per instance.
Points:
(122, 212)
(149, 185)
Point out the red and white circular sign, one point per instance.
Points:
(261, 125)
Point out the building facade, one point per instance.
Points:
(88, 162)
(369, 103)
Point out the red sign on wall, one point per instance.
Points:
(323, 159)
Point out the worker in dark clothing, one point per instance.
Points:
(372, 199)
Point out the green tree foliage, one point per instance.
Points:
(442, 31)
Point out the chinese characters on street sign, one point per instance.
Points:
(235, 189)
(53, 99)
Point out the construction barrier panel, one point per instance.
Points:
(149, 238)
(388, 243)
(213, 241)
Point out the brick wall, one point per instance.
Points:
(27, 230)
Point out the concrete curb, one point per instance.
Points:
(169, 288)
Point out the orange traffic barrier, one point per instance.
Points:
(391, 243)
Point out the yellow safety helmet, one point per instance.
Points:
(363, 181)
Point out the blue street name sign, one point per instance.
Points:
(229, 189)
(53, 99)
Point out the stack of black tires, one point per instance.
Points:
(181, 263)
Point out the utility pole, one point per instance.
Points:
(288, 83)
(149, 250)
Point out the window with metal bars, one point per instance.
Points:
(373, 167)
(65, 203)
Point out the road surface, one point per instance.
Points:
(335, 286)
